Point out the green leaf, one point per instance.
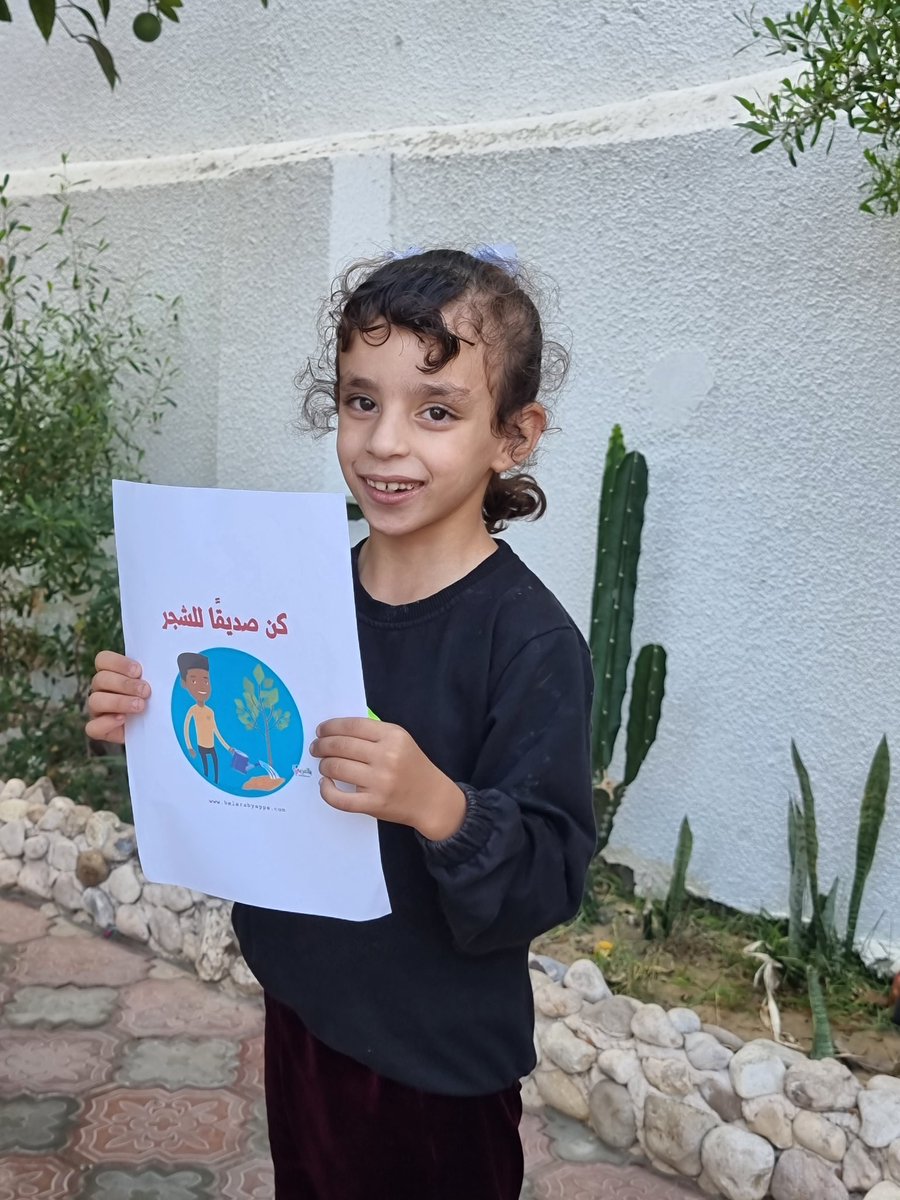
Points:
(871, 818)
(44, 13)
(88, 17)
(811, 840)
(168, 9)
(103, 5)
(748, 104)
(268, 683)
(5, 14)
(259, 674)
(105, 59)
(760, 146)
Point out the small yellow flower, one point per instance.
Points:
(603, 949)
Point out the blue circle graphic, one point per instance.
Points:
(235, 721)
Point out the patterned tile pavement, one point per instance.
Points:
(124, 1078)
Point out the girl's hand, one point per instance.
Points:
(116, 690)
(394, 780)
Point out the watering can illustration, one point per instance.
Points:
(243, 764)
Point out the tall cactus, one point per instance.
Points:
(622, 498)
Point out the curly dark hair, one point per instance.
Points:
(413, 292)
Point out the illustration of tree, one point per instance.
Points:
(260, 706)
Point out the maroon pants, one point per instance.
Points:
(338, 1131)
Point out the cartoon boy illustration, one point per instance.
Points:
(194, 670)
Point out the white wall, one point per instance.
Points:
(737, 317)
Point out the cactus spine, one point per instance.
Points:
(622, 498)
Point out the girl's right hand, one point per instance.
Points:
(117, 690)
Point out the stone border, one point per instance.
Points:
(86, 863)
(744, 1121)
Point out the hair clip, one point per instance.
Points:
(501, 254)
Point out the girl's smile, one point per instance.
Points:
(391, 490)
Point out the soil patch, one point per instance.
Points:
(262, 783)
(703, 967)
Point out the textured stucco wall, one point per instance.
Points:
(233, 73)
(738, 318)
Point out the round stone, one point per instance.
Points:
(821, 1085)
(731, 1040)
(165, 929)
(37, 878)
(99, 905)
(12, 838)
(674, 1132)
(740, 1164)
(91, 868)
(859, 1172)
(68, 892)
(884, 1191)
(36, 846)
(566, 1093)
(619, 1065)
(879, 1109)
(566, 1050)
(756, 1071)
(685, 1020)
(772, 1117)
(715, 1088)
(9, 872)
(586, 978)
(668, 1075)
(816, 1133)
(612, 1115)
(800, 1175)
(706, 1053)
(651, 1024)
(553, 1000)
(98, 828)
(131, 922)
(550, 966)
(613, 1016)
(62, 854)
(13, 809)
(123, 885)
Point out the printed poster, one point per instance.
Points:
(239, 605)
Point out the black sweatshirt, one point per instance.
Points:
(493, 681)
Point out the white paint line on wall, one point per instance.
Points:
(699, 109)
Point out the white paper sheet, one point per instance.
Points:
(257, 586)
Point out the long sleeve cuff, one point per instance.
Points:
(471, 837)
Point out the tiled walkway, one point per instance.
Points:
(124, 1078)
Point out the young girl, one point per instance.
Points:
(394, 1047)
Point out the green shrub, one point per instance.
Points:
(83, 376)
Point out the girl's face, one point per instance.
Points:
(418, 450)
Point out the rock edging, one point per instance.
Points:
(86, 863)
(745, 1121)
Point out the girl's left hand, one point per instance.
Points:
(394, 780)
